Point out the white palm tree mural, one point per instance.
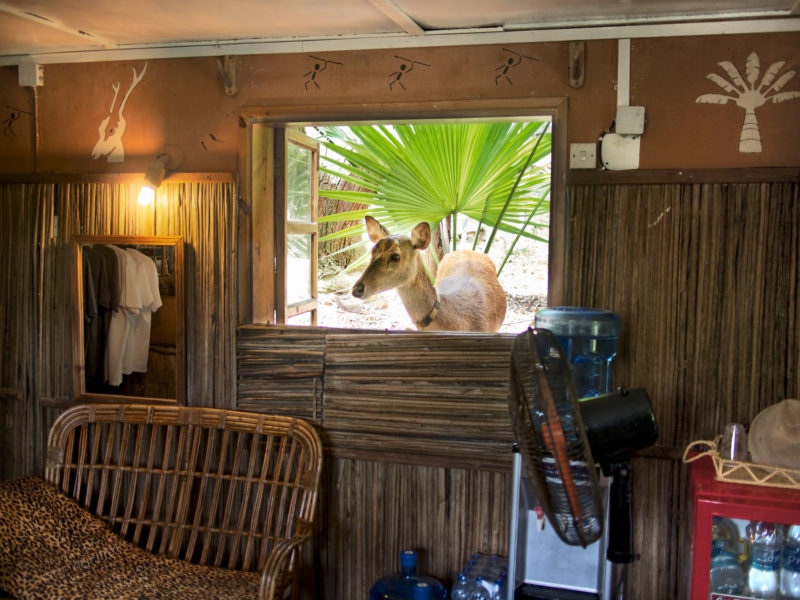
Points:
(748, 94)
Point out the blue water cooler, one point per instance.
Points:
(589, 338)
(541, 566)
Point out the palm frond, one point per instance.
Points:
(752, 68)
(781, 81)
(723, 83)
(772, 71)
(733, 73)
(784, 96)
(432, 171)
(713, 99)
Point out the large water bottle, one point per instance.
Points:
(766, 542)
(727, 576)
(790, 564)
(405, 585)
(589, 338)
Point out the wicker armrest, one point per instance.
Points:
(275, 575)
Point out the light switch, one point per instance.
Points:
(582, 156)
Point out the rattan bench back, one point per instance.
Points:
(210, 486)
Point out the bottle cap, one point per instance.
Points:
(408, 558)
(422, 591)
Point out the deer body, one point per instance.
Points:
(467, 295)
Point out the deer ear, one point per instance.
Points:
(375, 230)
(421, 236)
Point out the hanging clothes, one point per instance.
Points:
(97, 277)
(122, 321)
(137, 349)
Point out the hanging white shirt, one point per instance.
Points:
(122, 320)
(138, 348)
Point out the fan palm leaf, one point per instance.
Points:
(415, 173)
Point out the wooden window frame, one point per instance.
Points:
(258, 243)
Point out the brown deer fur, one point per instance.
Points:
(469, 296)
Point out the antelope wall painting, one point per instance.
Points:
(112, 128)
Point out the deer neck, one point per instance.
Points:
(419, 297)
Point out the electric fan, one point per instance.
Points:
(561, 440)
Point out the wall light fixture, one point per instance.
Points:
(153, 177)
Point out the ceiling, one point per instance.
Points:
(92, 30)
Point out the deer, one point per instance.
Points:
(113, 126)
(467, 295)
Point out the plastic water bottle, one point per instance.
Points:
(468, 588)
(766, 542)
(405, 585)
(726, 576)
(790, 564)
(459, 589)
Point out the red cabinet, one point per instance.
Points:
(710, 498)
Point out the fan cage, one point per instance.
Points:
(550, 434)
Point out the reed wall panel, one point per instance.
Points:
(280, 370)
(706, 278)
(37, 222)
(373, 509)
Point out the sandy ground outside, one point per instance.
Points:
(524, 279)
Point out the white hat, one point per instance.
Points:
(775, 435)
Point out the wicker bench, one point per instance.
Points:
(162, 502)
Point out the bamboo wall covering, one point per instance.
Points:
(704, 276)
(37, 221)
(706, 279)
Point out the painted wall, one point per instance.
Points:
(181, 102)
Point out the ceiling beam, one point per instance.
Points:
(468, 37)
(398, 16)
(52, 24)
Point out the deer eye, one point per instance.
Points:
(394, 258)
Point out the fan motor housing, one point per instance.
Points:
(618, 424)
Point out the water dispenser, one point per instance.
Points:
(589, 338)
(541, 566)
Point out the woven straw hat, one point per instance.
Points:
(775, 435)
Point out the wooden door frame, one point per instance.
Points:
(256, 242)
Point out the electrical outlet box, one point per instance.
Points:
(630, 120)
(582, 156)
(30, 74)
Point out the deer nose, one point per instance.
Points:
(358, 290)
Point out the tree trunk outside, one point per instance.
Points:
(329, 207)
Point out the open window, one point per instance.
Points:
(279, 233)
(284, 196)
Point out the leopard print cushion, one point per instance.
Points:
(50, 548)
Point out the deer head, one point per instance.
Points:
(395, 261)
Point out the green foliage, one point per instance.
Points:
(427, 172)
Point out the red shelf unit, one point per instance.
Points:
(710, 498)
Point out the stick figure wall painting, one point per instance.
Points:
(112, 127)
(405, 67)
(320, 64)
(511, 60)
(749, 94)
